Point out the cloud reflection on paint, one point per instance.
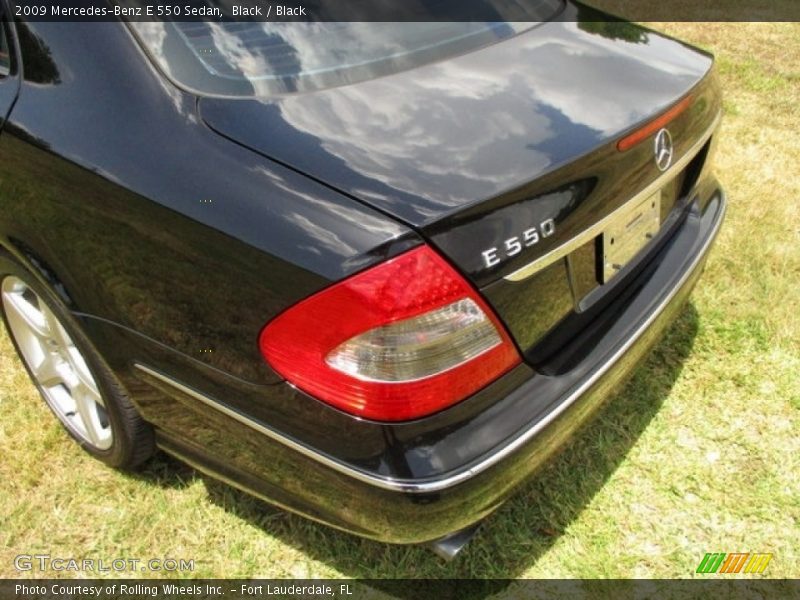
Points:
(474, 127)
(431, 140)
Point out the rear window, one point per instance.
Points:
(5, 53)
(268, 58)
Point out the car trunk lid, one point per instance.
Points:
(485, 147)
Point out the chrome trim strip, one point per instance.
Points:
(435, 485)
(593, 231)
(384, 482)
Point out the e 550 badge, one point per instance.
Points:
(514, 245)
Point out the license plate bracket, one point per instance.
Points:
(628, 233)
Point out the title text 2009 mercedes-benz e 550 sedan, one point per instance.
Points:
(374, 273)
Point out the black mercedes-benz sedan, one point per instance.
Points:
(374, 273)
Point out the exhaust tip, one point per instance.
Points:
(449, 546)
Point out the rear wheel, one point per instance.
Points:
(72, 378)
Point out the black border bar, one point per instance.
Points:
(402, 10)
(706, 586)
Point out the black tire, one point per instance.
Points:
(133, 440)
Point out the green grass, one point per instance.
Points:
(699, 453)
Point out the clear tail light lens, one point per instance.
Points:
(419, 347)
(401, 340)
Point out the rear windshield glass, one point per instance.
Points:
(267, 58)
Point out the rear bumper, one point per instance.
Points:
(412, 510)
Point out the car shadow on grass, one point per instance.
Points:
(513, 539)
(165, 471)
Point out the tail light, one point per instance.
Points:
(398, 341)
(651, 127)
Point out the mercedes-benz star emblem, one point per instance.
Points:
(663, 149)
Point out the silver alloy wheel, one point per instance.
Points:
(56, 364)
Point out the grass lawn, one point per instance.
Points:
(699, 453)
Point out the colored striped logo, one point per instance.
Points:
(734, 562)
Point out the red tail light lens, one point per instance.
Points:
(399, 341)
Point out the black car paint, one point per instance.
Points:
(175, 245)
(503, 139)
(485, 125)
